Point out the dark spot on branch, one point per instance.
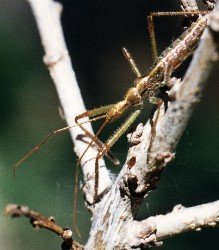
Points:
(52, 219)
(131, 162)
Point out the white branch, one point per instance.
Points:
(113, 219)
(154, 229)
(47, 14)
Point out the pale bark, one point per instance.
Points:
(47, 15)
(180, 220)
(114, 225)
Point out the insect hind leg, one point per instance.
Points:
(151, 25)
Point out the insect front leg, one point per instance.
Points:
(97, 115)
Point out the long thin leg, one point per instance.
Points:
(109, 143)
(131, 62)
(39, 145)
(151, 26)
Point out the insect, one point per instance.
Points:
(144, 86)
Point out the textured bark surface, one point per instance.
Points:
(152, 146)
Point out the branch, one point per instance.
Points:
(114, 216)
(47, 14)
(154, 229)
(39, 221)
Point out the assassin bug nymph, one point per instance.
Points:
(145, 86)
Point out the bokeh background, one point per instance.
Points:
(95, 32)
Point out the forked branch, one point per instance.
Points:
(114, 216)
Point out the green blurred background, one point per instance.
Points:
(95, 32)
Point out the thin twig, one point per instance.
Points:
(39, 221)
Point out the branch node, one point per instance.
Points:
(147, 232)
(209, 3)
(35, 223)
(212, 224)
(52, 59)
(214, 21)
(15, 210)
(178, 207)
(135, 137)
(52, 219)
(131, 162)
(124, 216)
(58, 7)
(67, 234)
(164, 157)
